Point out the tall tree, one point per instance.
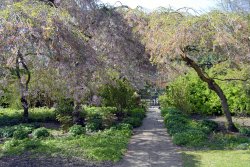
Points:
(80, 38)
(172, 36)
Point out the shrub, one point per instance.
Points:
(9, 131)
(66, 121)
(189, 94)
(189, 138)
(76, 130)
(20, 133)
(134, 121)
(94, 122)
(124, 126)
(245, 131)
(137, 113)
(226, 141)
(64, 110)
(210, 125)
(40, 133)
(119, 95)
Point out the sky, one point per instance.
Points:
(199, 5)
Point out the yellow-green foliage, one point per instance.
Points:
(13, 116)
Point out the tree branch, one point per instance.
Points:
(232, 79)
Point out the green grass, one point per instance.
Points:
(107, 145)
(216, 158)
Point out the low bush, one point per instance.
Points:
(41, 133)
(186, 132)
(209, 125)
(226, 141)
(137, 113)
(134, 121)
(99, 118)
(20, 134)
(245, 131)
(190, 137)
(64, 110)
(7, 132)
(124, 126)
(94, 122)
(76, 130)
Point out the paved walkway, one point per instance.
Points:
(151, 146)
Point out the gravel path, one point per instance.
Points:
(151, 146)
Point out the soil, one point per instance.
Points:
(27, 160)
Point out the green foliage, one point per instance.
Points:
(12, 116)
(98, 118)
(65, 107)
(64, 110)
(7, 132)
(226, 141)
(135, 122)
(135, 117)
(41, 133)
(94, 122)
(119, 95)
(124, 126)
(185, 131)
(20, 133)
(194, 133)
(191, 95)
(66, 121)
(190, 138)
(16, 147)
(209, 125)
(108, 145)
(137, 113)
(76, 130)
(245, 131)
(42, 114)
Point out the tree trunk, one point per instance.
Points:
(215, 87)
(23, 87)
(76, 115)
(25, 109)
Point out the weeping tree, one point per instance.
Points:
(81, 39)
(175, 38)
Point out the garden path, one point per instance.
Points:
(151, 146)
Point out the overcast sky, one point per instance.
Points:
(176, 4)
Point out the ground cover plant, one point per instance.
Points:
(201, 133)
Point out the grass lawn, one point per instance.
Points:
(217, 158)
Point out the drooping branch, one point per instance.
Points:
(232, 79)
